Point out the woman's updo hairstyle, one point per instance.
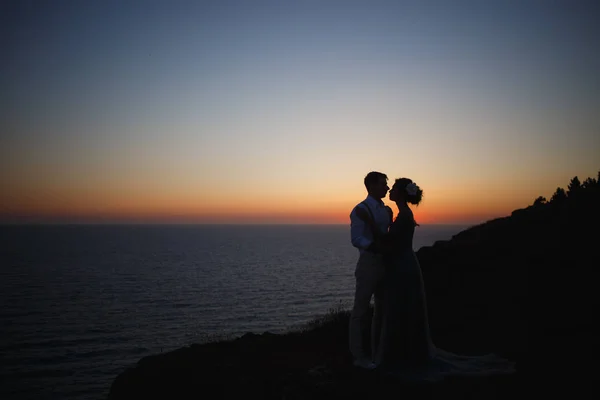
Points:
(412, 192)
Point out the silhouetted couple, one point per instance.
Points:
(389, 271)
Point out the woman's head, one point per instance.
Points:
(405, 189)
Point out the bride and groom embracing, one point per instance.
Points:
(389, 271)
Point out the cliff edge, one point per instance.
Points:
(485, 287)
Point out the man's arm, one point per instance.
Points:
(357, 231)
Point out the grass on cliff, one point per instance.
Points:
(334, 321)
(338, 316)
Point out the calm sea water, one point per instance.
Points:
(80, 303)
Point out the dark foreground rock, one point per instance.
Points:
(311, 365)
(485, 287)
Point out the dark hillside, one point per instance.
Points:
(486, 287)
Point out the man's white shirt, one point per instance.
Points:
(360, 231)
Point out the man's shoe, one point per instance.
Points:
(364, 363)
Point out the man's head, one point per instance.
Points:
(376, 184)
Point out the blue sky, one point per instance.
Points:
(179, 107)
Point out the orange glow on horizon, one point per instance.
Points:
(267, 214)
(442, 205)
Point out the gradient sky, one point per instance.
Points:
(255, 111)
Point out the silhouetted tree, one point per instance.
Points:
(589, 183)
(574, 187)
(539, 201)
(559, 195)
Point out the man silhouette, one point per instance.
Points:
(369, 268)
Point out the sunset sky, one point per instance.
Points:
(273, 112)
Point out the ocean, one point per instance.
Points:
(80, 303)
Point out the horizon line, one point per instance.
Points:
(115, 223)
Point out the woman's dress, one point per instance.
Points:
(405, 346)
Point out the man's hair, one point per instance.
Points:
(374, 177)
